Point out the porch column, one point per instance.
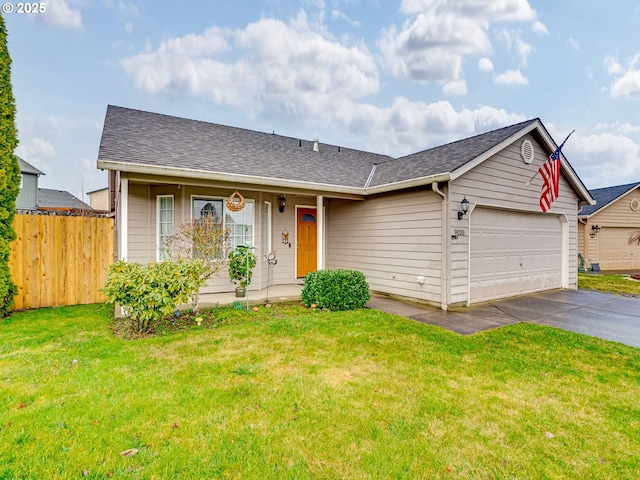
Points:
(124, 218)
(320, 232)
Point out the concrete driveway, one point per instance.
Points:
(597, 314)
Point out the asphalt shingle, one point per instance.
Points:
(137, 137)
(604, 196)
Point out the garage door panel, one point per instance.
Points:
(614, 251)
(514, 253)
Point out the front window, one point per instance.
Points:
(165, 225)
(239, 224)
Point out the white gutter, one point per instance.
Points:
(445, 248)
(268, 181)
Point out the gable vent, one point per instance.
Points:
(526, 151)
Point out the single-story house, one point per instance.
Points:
(604, 229)
(401, 221)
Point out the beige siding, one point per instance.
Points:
(500, 181)
(392, 239)
(139, 225)
(617, 221)
(142, 226)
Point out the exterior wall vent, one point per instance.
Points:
(526, 151)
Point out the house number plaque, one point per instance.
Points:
(458, 232)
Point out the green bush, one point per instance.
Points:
(9, 174)
(148, 292)
(336, 289)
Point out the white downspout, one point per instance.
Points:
(445, 248)
(124, 218)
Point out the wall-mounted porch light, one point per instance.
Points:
(595, 229)
(282, 202)
(464, 208)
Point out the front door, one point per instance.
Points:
(307, 239)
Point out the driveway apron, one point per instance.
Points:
(597, 314)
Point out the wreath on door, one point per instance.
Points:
(235, 202)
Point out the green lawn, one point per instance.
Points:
(294, 393)
(611, 283)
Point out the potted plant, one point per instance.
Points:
(242, 261)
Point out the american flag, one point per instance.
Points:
(550, 173)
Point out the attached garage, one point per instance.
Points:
(513, 253)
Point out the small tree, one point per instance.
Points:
(149, 292)
(9, 174)
(204, 240)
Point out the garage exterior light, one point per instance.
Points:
(464, 208)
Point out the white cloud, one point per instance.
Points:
(539, 27)
(336, 14)
(485, 65)
(627, 80)
(514, 42)
(510, 77)
(604, 159)
(36, 149)
(455, 88)
(59, 14)
(290, 67)
(612, 66)
(430, 46)
(489, 10)
(574, 44)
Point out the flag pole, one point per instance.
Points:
(560, 147)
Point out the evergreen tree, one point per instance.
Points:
(9, 174)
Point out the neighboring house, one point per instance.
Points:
(604, 229)
(99, 199)
(320, 206)
(28, 195)
(49, 199)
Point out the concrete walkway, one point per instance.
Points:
(601, 315)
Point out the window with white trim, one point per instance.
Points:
(164, 227)
(240, 224)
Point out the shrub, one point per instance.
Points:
(242, 261)
(336, 289)
(203, 239)
(9, 174)
(147, 292)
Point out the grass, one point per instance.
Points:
(611, 283)
(294, 393)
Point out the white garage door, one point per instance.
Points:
(514, 253)
(614, 251)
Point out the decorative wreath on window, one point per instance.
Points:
(235, 202)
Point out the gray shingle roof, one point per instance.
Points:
(143, 138)
(445, 158)
(134, 136)
(604, 196)
(48, 198)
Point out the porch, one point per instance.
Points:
(276, 293)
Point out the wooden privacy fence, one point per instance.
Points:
(60, 260)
